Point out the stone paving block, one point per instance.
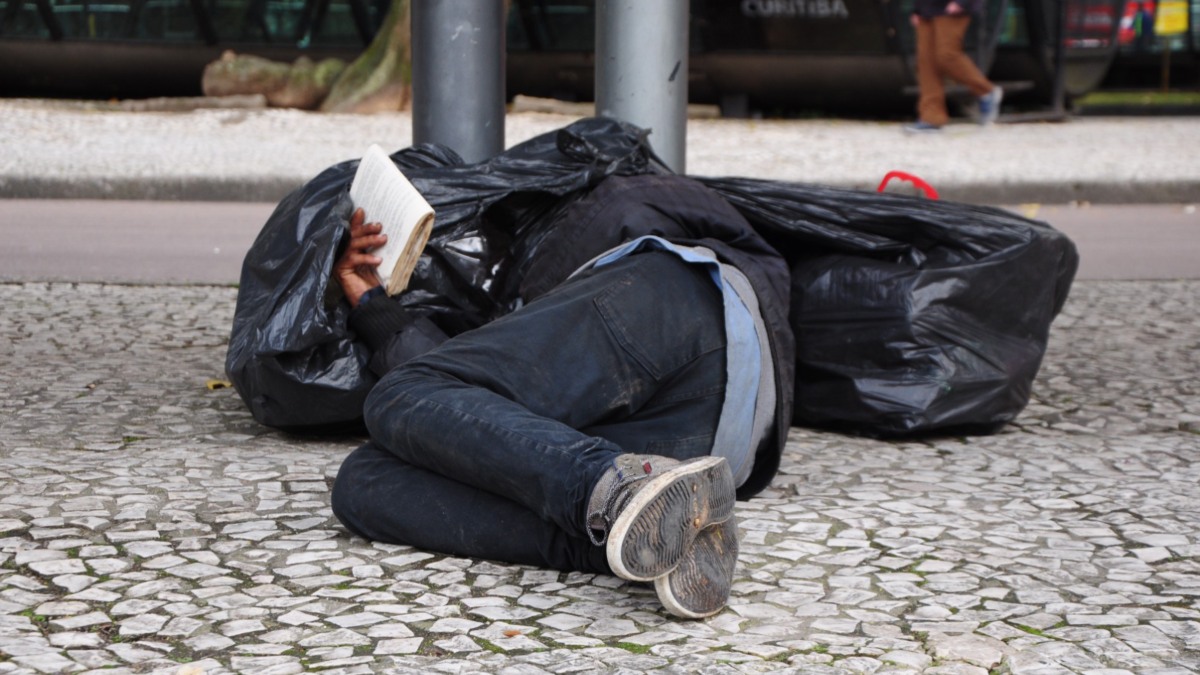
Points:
(146, 519)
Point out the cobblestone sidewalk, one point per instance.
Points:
(149, 525)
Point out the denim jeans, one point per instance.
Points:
(489, 445)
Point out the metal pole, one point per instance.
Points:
(1060, 60)
(458, 75)
(642, 70)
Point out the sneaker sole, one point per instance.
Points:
(699, 586)
(653, 531)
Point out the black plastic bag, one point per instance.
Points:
(910, 315)
(291, 356)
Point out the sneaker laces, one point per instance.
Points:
(617, 494)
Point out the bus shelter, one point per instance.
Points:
(790, 56)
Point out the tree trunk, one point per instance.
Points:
(380, 79)
(302, 84)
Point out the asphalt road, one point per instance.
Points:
(139, 242)
(144, 242)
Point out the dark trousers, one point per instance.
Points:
(489, 445)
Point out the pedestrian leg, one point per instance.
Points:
(931, 105)
(951, 60)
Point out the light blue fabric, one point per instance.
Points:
(737, 434)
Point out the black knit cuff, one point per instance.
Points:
(377, 321)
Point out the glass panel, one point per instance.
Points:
(235, 21)
(570, 26)
(91, 20)
(1137, 27)
(908, 36)
(845, 26)
(20, 19)
(515, 37)
(240, 20)
(282, 19)
(552, 25)
(1090, 23)
(336, 27)
(285, 22)
(171, 20)
(1137, 34)
(1014, 31)
(1194, 18)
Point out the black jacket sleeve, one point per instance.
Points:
(393, 335)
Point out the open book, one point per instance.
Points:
(386, 197)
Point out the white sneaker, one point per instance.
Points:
(652, 514)
(989, 106)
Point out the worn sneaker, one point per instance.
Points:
(699, 586)
(989, 106)
(651, 509)
(922, 128)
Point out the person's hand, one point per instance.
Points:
(355, 269)
(954, 8)
(914, 19)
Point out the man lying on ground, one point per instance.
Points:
(608, 424)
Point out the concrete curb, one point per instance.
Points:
(272, 189)
(1097, 192)
(200, 189)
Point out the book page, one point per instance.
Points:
(388, 198)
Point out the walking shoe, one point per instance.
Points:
(651, 509)
(989, 106)
(922, 128)
(699, 586)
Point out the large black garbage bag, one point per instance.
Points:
(910, 315)
(291, 356)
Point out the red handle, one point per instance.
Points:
(921, 185)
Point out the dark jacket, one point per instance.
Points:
(928, 9)
(620, 209)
